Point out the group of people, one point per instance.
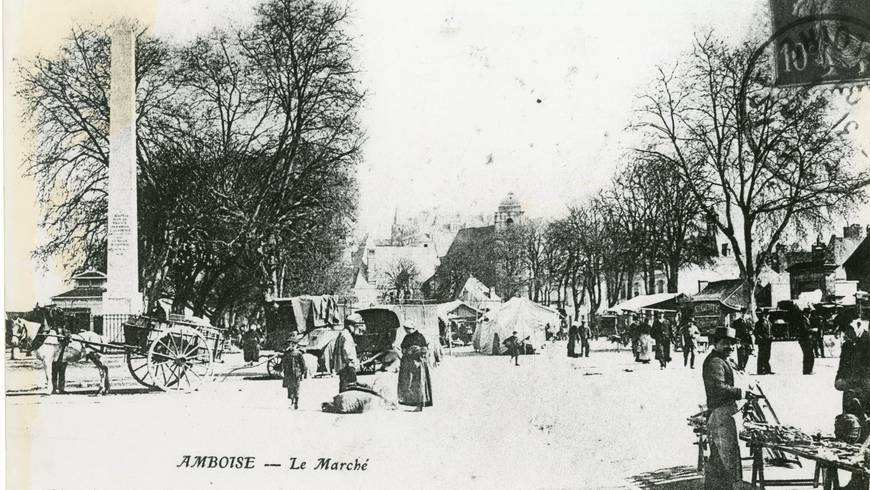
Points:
(414, 384)
(581, 334)
(724, 468)
(657, 339)
(810, 328)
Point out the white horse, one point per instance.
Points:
(49, 348)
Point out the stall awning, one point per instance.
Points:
(660, 301)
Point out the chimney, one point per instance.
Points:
(819, 252)
(853, 231)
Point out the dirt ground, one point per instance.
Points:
(552, 422)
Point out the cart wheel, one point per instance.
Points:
(138, 365)
(179, 359)
(274, 367)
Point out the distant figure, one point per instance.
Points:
(806, 339)
(548, 334)
(344, 357)
(764, 340)
(513, 348)
(644, 342)
(294, 370)
(817, 326)
(572, 339)
(415, 385)
(662, 333)
(585, 337)
(634, 335)
(744, 335)
(251, 344)
(690, 343)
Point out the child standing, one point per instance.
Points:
(293, 365)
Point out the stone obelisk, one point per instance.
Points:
(122, 294)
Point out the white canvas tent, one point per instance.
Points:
(478, 295)
(522, 315)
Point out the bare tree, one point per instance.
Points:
(401, 276)
(247, 141)
(796, 174)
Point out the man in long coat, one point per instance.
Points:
(585, 337)
(764, 339)
(853, 373)
(344, 357)
(724, 469)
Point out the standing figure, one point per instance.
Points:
(634, 335)
(294, 370)
(806, 340)
(853, 379)
(344, 358)
(744, 336)
(690, 335)
(817, 326)
(853, 373)
(572, 339)
(19, 340)
(764, 339)
(512, 344)
(585, 336)
(723, 469)
(662, 332)
(251, 343)
(415, 385)
(644, 342)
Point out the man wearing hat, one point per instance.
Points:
(724, 469)
(764, 339)
(344, 358)
(293, 367)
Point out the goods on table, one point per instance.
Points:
(824, 447)
(776, 434)
(698, 421)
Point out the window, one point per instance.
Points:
(724, 249)
(660, 286)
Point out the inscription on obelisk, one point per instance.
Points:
(122, 290)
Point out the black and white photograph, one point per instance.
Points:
(573, 244)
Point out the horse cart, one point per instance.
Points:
(170, 355)
(174, 355)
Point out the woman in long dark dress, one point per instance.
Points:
(251, 344)
(415, 386)
(572, 340)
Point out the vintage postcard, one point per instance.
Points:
(385, 244)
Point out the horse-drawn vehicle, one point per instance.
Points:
(170, 355)
(378, 345)
(165, 355)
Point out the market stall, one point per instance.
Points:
(771, 443)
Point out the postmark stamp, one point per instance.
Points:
(825, 54)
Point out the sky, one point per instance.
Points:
(466, 101)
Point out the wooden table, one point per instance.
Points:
(825, 467)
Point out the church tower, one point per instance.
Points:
(509, 213)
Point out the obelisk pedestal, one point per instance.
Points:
(122, 294)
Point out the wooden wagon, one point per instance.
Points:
(170, 355)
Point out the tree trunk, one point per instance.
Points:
(673, 275)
